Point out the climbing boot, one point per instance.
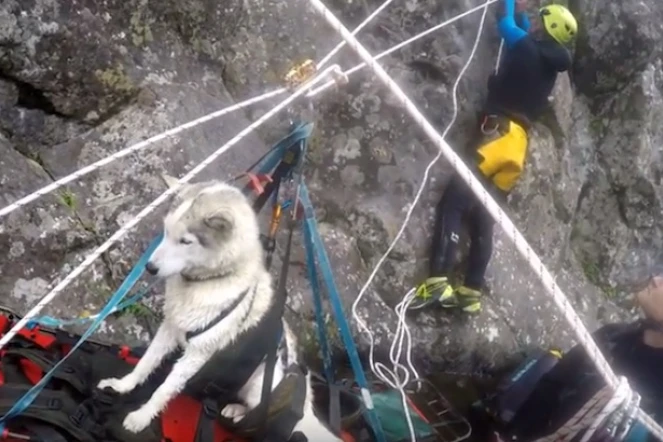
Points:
(467, 299)
(433, 290)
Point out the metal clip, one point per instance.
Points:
(300, 74)
(492, 130)
(276, 218)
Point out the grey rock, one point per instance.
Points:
(8, 94)
(625, 196)
(616, 42)
(75, 90)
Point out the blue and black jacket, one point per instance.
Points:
(528, 70)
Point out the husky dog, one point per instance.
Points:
(211, 256)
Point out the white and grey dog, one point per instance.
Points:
(211, 254)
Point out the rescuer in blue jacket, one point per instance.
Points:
(517, 95)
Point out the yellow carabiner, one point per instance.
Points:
(557, 353)
(276, 218)
(300, 74)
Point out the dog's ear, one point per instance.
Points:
(220, 221)
(170, 181)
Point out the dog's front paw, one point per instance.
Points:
(121, 386)
(234, 411)
(138, 420)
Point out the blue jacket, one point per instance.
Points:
(528, 70)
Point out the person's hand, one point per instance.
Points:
(521, 5)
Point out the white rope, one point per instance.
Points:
(402, 342)
(621, 395)
(399, 375)
(578, 421)
(493, 208)
(361, 26)
(630, 416)
(154, 204)
(499, 56)
(395, 48)
(398, 345)
(169, 133)
(131, 149)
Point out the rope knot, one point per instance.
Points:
(340, 77)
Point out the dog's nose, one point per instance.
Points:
(151, 268)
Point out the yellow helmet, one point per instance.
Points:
(559, 23)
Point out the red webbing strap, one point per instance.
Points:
(36, 336)
(179, 422)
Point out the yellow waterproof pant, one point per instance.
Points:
(502, 159)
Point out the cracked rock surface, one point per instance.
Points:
(81, 80)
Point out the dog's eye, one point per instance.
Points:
(185, 241)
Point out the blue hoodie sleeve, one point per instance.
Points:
(523, 21)
(507, 27)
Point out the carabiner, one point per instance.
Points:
(276, 218)
(485, 121)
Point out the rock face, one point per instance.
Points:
(624, 190)
(81, 80)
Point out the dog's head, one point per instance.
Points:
(209, 230)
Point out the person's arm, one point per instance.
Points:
(507, 26)
(523, 21)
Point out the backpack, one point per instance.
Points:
(72, 409)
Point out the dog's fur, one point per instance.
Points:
(211, 253)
